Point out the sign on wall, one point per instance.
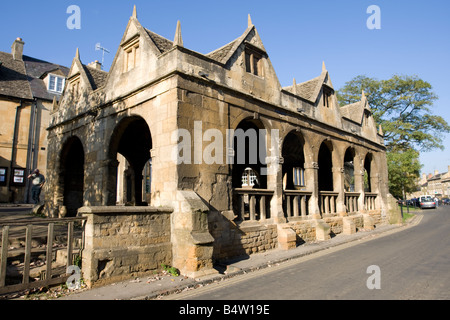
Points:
(18, 177)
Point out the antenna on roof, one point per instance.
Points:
(98, 47)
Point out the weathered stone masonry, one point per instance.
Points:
(112, 139)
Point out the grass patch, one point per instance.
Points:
(407, 216)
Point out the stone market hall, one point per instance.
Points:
(321, 169)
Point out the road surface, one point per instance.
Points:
(411, 264)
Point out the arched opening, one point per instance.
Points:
(325, 168)
(249, 153)
(72, 175)
(294, 162)
(249, 175)
(130, 148)
(349, 170)
(367, 173)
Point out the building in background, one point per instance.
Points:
(437, 185)
(28, 89)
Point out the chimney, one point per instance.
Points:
(95, 65)
(436, 172)
(17, 49)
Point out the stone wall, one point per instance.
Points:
(234, 240)
(305, 231)
(122, 242)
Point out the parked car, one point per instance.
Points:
(427, 202)
(446, 201)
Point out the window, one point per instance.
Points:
(299, 177)
(56, 84)
(75, 88)
(132, 55)
(249, 178)
(327, 97)
(253, 62)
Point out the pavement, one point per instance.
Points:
(158, 286)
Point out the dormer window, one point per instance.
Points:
(55, 83)
(253, 60)
(131, 55)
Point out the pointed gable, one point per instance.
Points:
(310, 90)
(250, 37)
(358, 111)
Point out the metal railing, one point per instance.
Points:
(39, 228)
(253, 204)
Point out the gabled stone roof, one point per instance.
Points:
(160, 42)
(97, 78)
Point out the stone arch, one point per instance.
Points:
(249, 151)
(325, 163)
(131, 142)
(370, 173)
(71, 175)
(349, 169)
(293, 160)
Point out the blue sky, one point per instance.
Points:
(298, 35)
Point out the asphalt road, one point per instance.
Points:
(410, 264)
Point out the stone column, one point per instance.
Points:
(109, 169)
(312, 184)
(338, 185)
(359, 183)
(275, 183)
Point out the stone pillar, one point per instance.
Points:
(359, 182)
(275, 183)
(109, 169)
(312, 184)
(338, 184)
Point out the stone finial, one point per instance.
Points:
(77, 54)
(363, 95)
(250, 24)
(178, 41)
(380, 131)
(294, 87)
(324, 68)
(134, 12)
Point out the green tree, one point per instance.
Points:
(403, 170)
(402, 106)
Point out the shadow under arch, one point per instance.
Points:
(325, 162)
(71, 175)
(293, 160)
(132, 139)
